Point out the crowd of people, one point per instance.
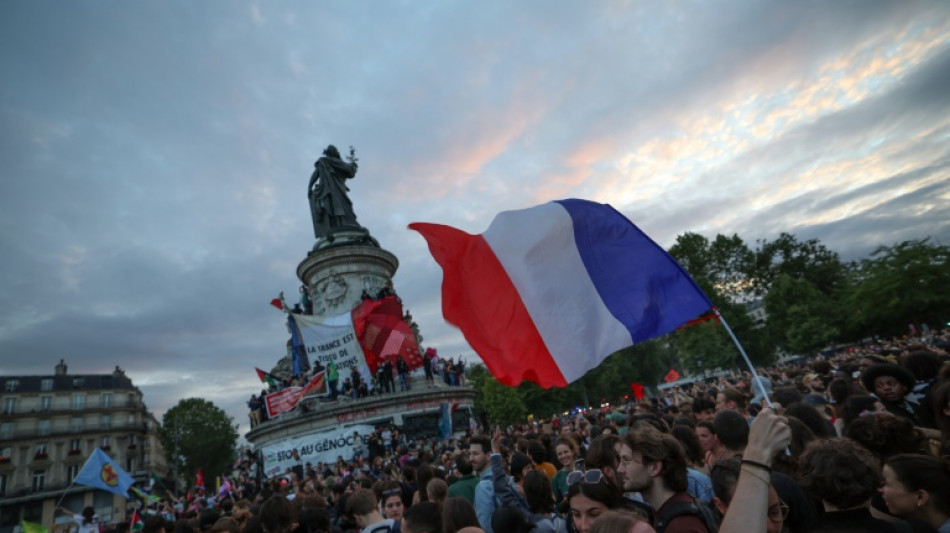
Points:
(450, 372)
(853, 442)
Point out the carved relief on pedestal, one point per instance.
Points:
(373, 285)
(332, 290)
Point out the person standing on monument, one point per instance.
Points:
(333, 378)
(403, 368)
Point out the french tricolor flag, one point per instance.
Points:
(548, 292)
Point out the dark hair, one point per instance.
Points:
(537, 492)
(424, 474)
(885, 435)
(361, 502)
(811, 418)
(537, 452)
(734, 395)
(463, 465)
(457, 512)
(924, 472)
(703, 404)
(786, 395)
(732, 429)
(820, 366)
(277, 515)
(423, 516)
(839, 390)
(654, 446)
(801, 437)
(839, 471)
(482, 441)
(603, 492)
(88, 514)
(708, 425)
(690, 442)
(510, 519)
(924, 365)
(602, 453)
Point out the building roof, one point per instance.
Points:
(76, 382)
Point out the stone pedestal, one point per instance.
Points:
(337, 275)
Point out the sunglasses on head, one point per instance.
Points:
(590, 477)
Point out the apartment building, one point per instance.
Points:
(48, 428)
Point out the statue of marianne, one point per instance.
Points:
(330, 206)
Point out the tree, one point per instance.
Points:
(725, 263)
(802, 319)
(901, 284)
(203, 436)
(809, 260)
(502, 403)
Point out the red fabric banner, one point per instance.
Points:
(671, 376)
(384, 334)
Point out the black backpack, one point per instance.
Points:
(698, 508)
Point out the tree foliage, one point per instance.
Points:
(899, 285)
(203, 435)
(802, 319)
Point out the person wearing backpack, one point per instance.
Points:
(654, 464)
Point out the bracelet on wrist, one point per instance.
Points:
(751, 472)
(757, 464)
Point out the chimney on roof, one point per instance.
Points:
(118, 372)
(61, 368)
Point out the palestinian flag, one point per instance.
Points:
(267, 378)
(136, 524)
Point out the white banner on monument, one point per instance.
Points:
(333, 339)
(314, 448)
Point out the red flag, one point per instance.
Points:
(708, 316)
(384, 334)
(200, 478)
(671, 376)
(277, 303)
(637, 390)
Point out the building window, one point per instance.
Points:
(46, 403)
(6, 455)
(75, 424)
(71, 472)
(106, 400)
(46, 384)
(75, 446)
(6, 430)
(42, 451)
(9, 406)
(3, 485)
(106, 421)
(39, 480)
(79, 383)
(12, 385)
(42, 427)
(105, 443)
(79, 401)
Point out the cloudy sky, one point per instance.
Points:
(155, 155)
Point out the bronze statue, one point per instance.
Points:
(330, 207)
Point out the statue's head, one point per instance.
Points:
(331, 151)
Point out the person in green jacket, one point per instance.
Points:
(464, 486)
(333, 377)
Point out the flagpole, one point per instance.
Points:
(61, 498)
(755, 375)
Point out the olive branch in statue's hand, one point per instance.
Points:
(351, 158)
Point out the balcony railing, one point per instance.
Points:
(115, 426)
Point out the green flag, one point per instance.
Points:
(30, 527)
